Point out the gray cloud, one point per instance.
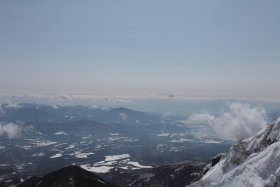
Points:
(11, 130)
(239, 122)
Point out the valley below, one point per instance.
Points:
(127, 147)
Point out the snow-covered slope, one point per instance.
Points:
(252, 162)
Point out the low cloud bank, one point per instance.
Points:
(10, 130)
(239, 122)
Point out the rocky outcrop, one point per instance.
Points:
(251, 162)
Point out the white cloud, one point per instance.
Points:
(11, 130)
(239, 122)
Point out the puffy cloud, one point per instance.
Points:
(11, 130)
(239, 122)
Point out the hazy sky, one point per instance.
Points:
(194, 48)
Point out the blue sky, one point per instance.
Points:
(193, 48)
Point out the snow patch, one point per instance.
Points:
(137, 165)
(114, 134)
(96, 169)
(60, 133)
(44, 143)
(56, 155)
(180, 140)
(38, 155)
(163, 134)
(70, 146)
(116, 157)
(83, 155)
(114, 161)
(212, 141)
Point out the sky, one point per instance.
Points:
(193, 48)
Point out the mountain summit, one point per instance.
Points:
(251, 162)
(71, 176)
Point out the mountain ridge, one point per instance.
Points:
(71, 176)
(251, 162)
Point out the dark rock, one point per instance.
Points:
(71, 176)
(216, 159)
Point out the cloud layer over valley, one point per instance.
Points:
(10, 130)
(238, 122)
